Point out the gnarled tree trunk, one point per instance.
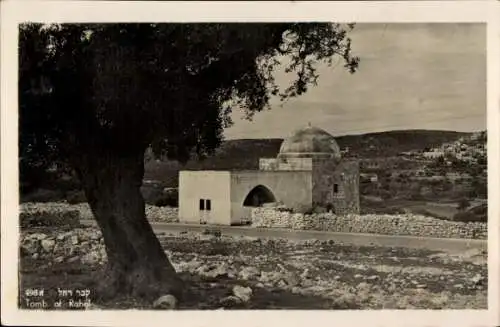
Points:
(137, 264)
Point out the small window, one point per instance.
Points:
(202, 204)
(209, 205)
(335, 188)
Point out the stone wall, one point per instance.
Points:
(45, 217)
(84, 245)
(408, 224)
(55, 211)
(345, 174)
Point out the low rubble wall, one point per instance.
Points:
(407, 224)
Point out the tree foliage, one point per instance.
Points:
(126, 86)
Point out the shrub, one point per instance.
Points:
(151, 193)
(76, 197)
(329, 207)
(305, 209)
(427, 213)
(43, 195)
(284, 209)
(480, 209)
(168, 199)
(468, 217)
(463, 204)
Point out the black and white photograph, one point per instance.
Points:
(250, 165)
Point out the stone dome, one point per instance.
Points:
(310, 142)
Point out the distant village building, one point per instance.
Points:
(371, 177)
(309, 170)
(433, 154)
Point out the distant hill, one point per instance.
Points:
(394, 142)
(245, 153)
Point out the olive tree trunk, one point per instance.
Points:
(137, 263)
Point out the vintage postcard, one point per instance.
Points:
(216, 163)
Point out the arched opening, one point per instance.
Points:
(258, 196)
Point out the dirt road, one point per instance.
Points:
(437, 244)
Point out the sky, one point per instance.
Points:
(411, 76)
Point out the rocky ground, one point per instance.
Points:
(242, 272)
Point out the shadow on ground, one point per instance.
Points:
(202, 293)
(205, 293)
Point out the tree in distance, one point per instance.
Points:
(96, 96)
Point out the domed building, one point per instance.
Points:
(308, 171)
(310, 142)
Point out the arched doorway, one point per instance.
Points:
(258, 196)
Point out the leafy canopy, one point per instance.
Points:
(119, 88)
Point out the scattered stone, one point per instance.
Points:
(165, 302)
(477, 279)
(281, 283)
(291, 279)
(307, 283)
(38, 236)
(91, 258)
(373, 277)
(92, 306)
(74, 239)
(73, 259)
(249, 273)
(305, 274)
(363, 285)
(217, 272)
(230, 301)
(244, 293)
(29, 246)
(269, 277)
(95, 235)
(48, 245)
(59, 259)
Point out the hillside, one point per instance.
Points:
(245, 153)
(388, 144)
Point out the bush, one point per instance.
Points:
(463, 204)
(284, 209)
(329, 207)
(76, 197)
(151, 193)
(43, 195)
(319, 209)
(314, 209)
(469, 217)
(480, 209)
(305, 209)
(169, 198)
(427, 213)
